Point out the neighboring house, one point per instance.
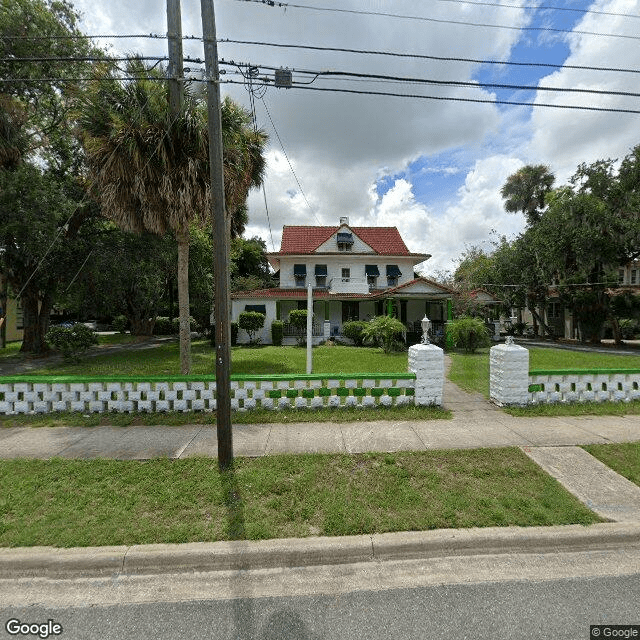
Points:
(356, 273)
(561, 320)
(12, 319)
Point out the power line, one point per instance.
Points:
(458, 83)
(289, 162)
(287, 5)
(429, 57)
(455, 99)
(543, 7)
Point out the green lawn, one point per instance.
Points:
(66, 503)
(622, 458)
(12, 350)
(164, 359)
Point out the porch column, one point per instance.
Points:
(448, 337)
(389, 307)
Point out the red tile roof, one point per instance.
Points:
(385, 241)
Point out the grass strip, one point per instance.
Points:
(622, 458)
(67, 503)
(576, 409)
(256, 416)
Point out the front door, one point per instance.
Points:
(350, 311)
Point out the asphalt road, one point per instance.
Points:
(556, 596)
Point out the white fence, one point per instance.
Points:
(511, 383)
(423, 385)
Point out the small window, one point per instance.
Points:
(300, 274)
(634, 276)
(372, 281)
(19, 315)
(321, 275)
(345, 246)
(346, 275)
(620, 276)
(393, 273)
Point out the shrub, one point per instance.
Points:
(277, 332)
(163, 326)
(120, 323)
(385, 332)
(469, 334)
(234, 334)
(251, 322)
(354, 330)
(71, 341)
(298, 318)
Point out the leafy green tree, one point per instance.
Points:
(526, 190)
(36, 95)
(474, 270)
(469, 334)
(126, 274)
(251, 322)
(40, 249)
(385, 332)
(249, 265)
(41, 240)
(150, 170)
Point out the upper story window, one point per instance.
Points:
(372, 272)
(346, 275)
(620, 276)
(345, 241)
(393, 273)
(321, 275)
(300, 274)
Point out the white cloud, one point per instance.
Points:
(565, 139)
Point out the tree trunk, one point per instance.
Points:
(3, 313)
(615, 325)
(35, 321)
(183, 301)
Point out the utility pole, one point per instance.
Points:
(176, 72)
(220, 240)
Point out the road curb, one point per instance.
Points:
(94, 562)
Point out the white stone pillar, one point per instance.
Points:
(427, 362)
(509, 374)
(327, 329)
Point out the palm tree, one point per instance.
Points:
(526, 189)
(149, 170)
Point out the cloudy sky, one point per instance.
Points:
(431, 166)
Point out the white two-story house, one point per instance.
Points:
(356, 273)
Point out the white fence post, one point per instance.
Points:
(427, 362)
(509, 374)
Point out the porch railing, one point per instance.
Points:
(291, 331)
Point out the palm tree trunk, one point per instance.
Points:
(183, 301)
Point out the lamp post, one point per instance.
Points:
(426, 327)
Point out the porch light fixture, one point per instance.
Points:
(426, 327)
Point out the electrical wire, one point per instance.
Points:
(289, 161)
(449, 83)
(455, 99)
(418, 56)
(287, 5)
(543, 7)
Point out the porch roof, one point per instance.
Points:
(278, 293)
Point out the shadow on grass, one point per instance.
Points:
(236, 527)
